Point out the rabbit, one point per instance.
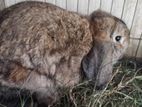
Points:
(44, 48)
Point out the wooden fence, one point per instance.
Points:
(130, 11)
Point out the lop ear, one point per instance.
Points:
(97, 64)
(90, 64)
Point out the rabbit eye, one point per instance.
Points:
(118, 38)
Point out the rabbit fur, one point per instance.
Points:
(44, 47)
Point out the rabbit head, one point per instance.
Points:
(110, 41)
(107, 28)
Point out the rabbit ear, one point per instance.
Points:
(99, 22)
(100, 14)
(90, 64)
(96, 65)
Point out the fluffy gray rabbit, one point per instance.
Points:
(44, 47)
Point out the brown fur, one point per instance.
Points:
(50, 44)
(18, 74)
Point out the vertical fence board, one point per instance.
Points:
(117, 7)
(106, 5)
(94, 5)
(50, 1)
(9, 2)
(37, 0)
(17, 1)
(2, 4)
(61, 3)
(83, 6)
(128, 12)
(137, 24)
(140, 50)
(72, 5)
(129, 50)
(132, 47)
(136, 28)
(127, 17)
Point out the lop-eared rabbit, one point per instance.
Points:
(44, 48)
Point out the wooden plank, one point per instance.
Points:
(136, 28)
(50, 1)
(106, 5)
(61, 3)
(128, 12)
(127, 17)
(94, 5)
(83, 6)
(139, 48)
(137, 24)
(72, 5)
(36, 0)
(2, 4)
(129, 50)
(9, 2)
(117, 7)
(18, 1)
(132, 47)
(139, 54)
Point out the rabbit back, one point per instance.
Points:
(39, 36)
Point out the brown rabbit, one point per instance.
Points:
(44, 47)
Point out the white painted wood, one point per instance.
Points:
(94, 5)
(18, 1)
(129, 50)
(128, 12)
(137, 24)
(117, 7)
(9, 2)
(72, 5)
(132, 47)
(50, 1)
(36, 0)
(106, 5)
(61, 3)
(139, 54)
(136, 30)
(83, 6)
(2, 4)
